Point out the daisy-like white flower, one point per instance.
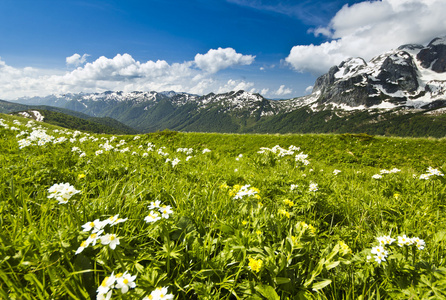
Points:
(125, 281)
(159, 294)
(419, 243)
(99, 152)
(165, 211)
(115, 220)
(95, 226)
(206, 150)
(155, 204)
(313, 187)
(106, 296)
(379, 258)
(377, 176)
(62, 192)
(81, 248)
(379, 250)
(152, 217)
(92, 239)
(385, 240)
(107, 284)
(110, 239)
(404, 240)
(336, 172)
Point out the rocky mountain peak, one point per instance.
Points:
(399, 77)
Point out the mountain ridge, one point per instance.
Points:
(407, 80)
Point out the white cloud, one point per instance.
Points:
(264, 91)
(76, 59)
(124, 73)
(236, 85)
(369, 28)
(309, 89)
(282, 91)
(217, 59)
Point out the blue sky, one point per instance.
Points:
(276, 48)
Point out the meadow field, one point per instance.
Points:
(172, 215)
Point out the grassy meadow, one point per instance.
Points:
(171, 215)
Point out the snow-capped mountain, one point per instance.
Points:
(407, 80)
(411, 75)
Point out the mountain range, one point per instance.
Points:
(400, 92)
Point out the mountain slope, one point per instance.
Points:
(390, 91)
(66, 118)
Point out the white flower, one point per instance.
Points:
(62, 192)
(385, 240)
(379, 258)
(313, 187)
(125, 281)
(96, 226)
(152, 217)
(92, 239)
(81, 248)
(377, 176)
(159, 294)
(107, 284)
(425, 176)
(206, 150)
(111, 240)
(404, 240)
(156, 204)
(336, 172)
(99, 152)
(293, 187)
(395, 170)
(106, 296)
(419, 243)
(165, 211)
(115, 220)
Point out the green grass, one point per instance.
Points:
(204, 249)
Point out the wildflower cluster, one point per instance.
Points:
(158, 211)
(123, 281)
(159, 293)
(431, 172)
(62, 192)
(281, 152)
(381, 253)
(255, 264)
(313, 187)
(306, 227)
(384, 171)
(97, 229)
(238, 191)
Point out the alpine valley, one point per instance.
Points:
(401, 92)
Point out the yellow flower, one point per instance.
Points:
(255, 264)
(80, 176)
(258, 232)
(257, 196)
(396, 196)
(260, 204)
(284, 213)
(244, 222)
(288, 202)
(224, 186)
(345, 249)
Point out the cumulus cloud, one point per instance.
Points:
(282, 91)
(123, 72)
(236, 85)
(76, 59)
(218, 59)
(369, 28)
(309, 89)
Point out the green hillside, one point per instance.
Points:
(71, 119)
(220, 216)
